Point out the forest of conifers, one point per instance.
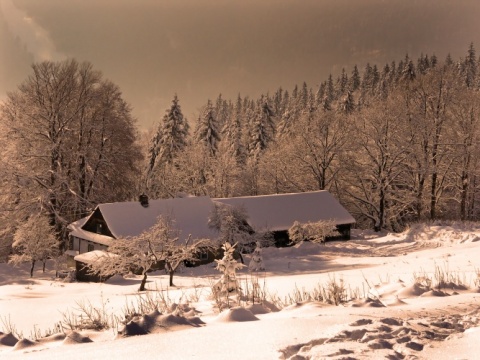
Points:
(395, 143)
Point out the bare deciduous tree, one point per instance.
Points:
(68, 143)
(157, 246)
(34, 241)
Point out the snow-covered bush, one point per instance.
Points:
(231, 224)
(315, 232)
(228, 283)
(256, 262)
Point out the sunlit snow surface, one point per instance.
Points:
(392, 316)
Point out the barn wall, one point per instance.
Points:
(83, 275)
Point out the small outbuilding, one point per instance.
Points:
(82, 262)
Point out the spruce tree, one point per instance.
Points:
(355, 78)
(262, 129)
(171, 136)
(232, 132)
(207, 130)
(228, 266)
(470, 67)
(347, 103)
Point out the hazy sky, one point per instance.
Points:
(198, 49)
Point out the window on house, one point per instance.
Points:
(99, 228)
(90, 247)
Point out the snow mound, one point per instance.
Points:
(434, 293)
(116, 280)
(76, 338)
(443, 234)
(8, 339)
(306, 306)
(23, 344)
(368, 303)
(411, 291)
(236, 314)
(258, 309)
(395, 302)
(361, 322)
(156, 322)
(53, 338)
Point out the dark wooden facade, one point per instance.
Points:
(97, 224)
(282, 240)
(83, 274)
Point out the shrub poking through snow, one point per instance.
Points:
(256, 262)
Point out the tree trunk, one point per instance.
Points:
(170, 273)
(43, 267)
(463, 196)
(31, 268)
(144, 281)
(419, 199)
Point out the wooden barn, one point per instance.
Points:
(277, 213)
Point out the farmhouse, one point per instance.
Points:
(127, 219)
(275, 213)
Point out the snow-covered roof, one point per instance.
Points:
(278, 212)
(190, 214)
(92, 256)
(76, 230)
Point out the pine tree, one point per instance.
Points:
(433, 61)
(278, 105)
(207, 130)
(384, 83)
(470, 67)
(221, 111)
(232, 133)
(322, 100)
(347, 104)
(262, 130)
(330, 90)
(228, 266)
(343, 82)
(423, 64)
(408, 72)
(303, 97)
(448, 60)
(355, 78)
(171, 136)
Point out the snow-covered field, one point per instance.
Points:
(396, 309)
